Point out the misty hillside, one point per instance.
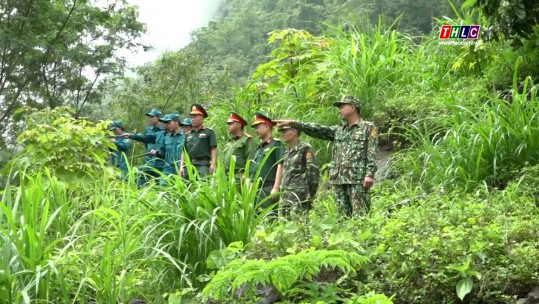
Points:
(236, 40)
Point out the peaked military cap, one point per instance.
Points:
(197, 109)
(154, 112)
(186, 122)
(115, 124)
(261, 118)
(232, 117)
(348, 99)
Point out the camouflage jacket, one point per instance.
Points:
(243, 149)
(354, 149)
(300, 173)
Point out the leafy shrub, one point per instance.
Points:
(291, 276)
(69, 147)
(438, 248)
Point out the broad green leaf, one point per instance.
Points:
(464, 287)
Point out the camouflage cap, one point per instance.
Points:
(284, 128)
(116, 124)
(348, 99)
(186, 122)
(154, 112)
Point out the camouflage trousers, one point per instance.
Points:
(297, 202)
(352, 199)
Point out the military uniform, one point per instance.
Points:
(300, 177)
(242, 148)
(354, 157)
(168, 146)
(122, 147)
(157, 141)
(149, 159)
(268, 170)
(199, 143)
(152, 164)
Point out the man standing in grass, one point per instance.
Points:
(122, 146)
(271, 171)
(354, 154)
(241, 145)
(152, 165)
(200, 144)
(300, 172)
(173, 144)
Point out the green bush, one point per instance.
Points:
(438, 248)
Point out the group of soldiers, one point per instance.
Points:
(290, 170)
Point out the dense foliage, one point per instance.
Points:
(453, 220)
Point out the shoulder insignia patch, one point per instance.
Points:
(309, 156)
(374, 132)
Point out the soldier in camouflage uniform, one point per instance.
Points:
(300, 172)
(122, 146)
(200, 144)
(354, 154)
(241, 145)
(271, 172)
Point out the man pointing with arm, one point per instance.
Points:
(353, 162)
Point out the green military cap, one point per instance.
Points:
(197, 109)
(154, 112)
(186, 122)
(348, 99)
(116, 124)
(261, 118)
(170, 117)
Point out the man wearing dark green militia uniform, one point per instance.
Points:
(200, 144)
(152, 165)
(122, 146)
(241, 145)
(271, 171)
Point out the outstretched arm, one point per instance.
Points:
(145, 138)
(311, 129)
